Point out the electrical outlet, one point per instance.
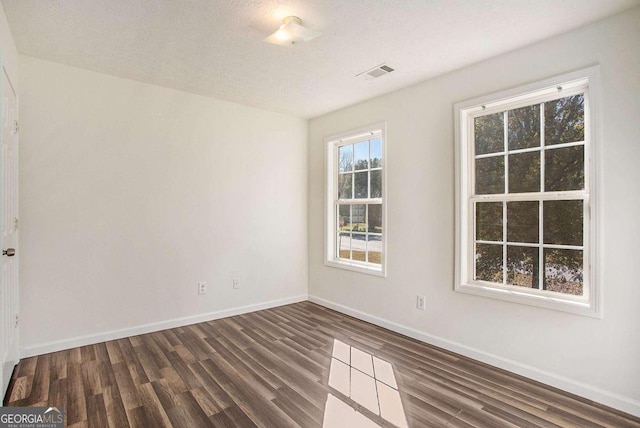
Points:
(420, 303)
(236, 284)
(202, 287)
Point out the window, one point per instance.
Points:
(526, 217)
(356, 201)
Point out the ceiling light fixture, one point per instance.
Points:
(291, 33)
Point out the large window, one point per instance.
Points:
(355, 200)
(526, 196)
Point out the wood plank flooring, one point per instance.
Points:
(271, 369)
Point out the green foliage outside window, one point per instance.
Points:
(498, 170)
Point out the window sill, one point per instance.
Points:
(357, 267)
(584, 308)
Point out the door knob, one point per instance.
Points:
(9, 252)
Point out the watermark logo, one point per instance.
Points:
(31, 417)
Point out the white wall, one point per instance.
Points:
(8, 52)
(130, 194)
(596, 358)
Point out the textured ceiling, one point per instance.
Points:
(215, 47)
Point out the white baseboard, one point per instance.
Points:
(91, 339)
(590, 392)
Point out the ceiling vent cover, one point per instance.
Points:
(375, 72)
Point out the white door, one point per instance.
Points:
(9, 236)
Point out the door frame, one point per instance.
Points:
(14, 354)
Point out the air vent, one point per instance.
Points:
(375, 72)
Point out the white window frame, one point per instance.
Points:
(331, 198)
(587, 81)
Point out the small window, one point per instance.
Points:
(526, 226)
(356, 201)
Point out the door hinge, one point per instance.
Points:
(16, 126)
(16, 223)
(17, 320)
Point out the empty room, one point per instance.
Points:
(331, 213)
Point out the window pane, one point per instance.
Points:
(376, 184)
(563, 222)
(344, 245)
(359, 218)
(375, 218)
(523, 221)
(564, 120)
(361, 184)
(489, 133)
(359, 227)
(490, 175)
(345, 186)
(374, 249)
(375, 152)
(522, 266)
(524, 172)
(345, 158)
(524, 127)
(489, 262)
(563, 271)
(344, 217)
(358, 247)
(564, 169)
(489, 221)
(361, 155)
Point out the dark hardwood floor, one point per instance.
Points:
(296, 365)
